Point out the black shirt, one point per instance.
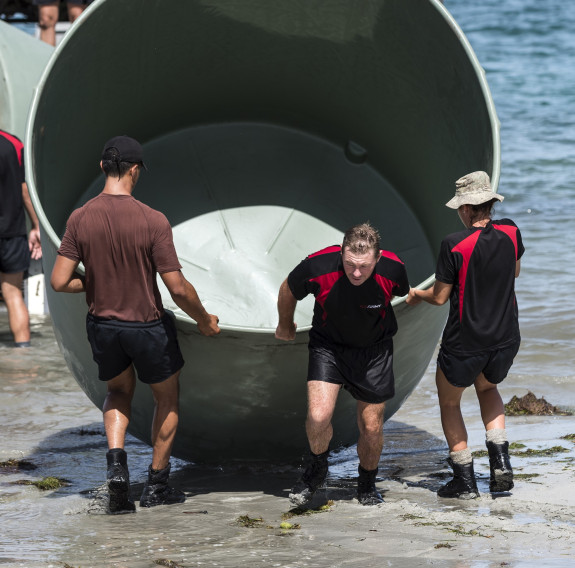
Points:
(480, 264)
(345, 314)
(12, 216)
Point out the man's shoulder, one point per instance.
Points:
(453, 239)
(387, 256)
(504, 222)
(10, 143)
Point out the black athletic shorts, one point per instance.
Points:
(14, 255)
(151, 346)
(366, 372)
(462, 370)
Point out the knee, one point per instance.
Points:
(46, 22)
(371, 428)
(319, 417)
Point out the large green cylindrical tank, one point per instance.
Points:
(22, 61)
(269, 127)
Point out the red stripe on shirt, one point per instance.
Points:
(465, 248)
(511, 232)
(326, 282)
(18, 146)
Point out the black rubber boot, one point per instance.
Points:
(463, 484)
(501, 478)
(118, 480)
(367, 493)
(157, 491)
(313, 477)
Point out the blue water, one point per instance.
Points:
(527, 48)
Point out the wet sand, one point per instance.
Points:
(48, 420)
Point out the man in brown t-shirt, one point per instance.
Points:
(123, 244)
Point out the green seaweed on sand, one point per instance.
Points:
(284, 525)
(443, 545)
(526, 476)
(46, 483)
(530, 404)
(529, 452)
(249, 522)
(410, 517)
(167, 563)
(460, 531)
(17, 465)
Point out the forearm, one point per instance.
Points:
(29, 207)
(188, 300)
(75, 285)
(426, 296)
(286, 305)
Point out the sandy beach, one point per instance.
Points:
(234, 512)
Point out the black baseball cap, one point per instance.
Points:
(130, 150)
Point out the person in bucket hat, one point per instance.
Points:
(476, 272)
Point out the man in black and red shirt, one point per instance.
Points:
(15, 247)
(350, 347)
(476, 272)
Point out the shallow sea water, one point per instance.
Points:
(528, 51)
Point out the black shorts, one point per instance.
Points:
(14, 255)
(463, 370)
(152, 347)
(366, 372)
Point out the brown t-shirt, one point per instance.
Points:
(123, 244)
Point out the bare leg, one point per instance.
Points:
(117, 407)
(47, 18)
(370, 443)
(165, 423)
(74, 10)
(490, 403)
(18, 317)
(451, 417)
(322, 397)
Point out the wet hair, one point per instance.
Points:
(360, 239)
(113, 166)
(482, 211)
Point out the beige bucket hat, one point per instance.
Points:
(473, 189)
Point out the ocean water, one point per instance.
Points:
(527, 49)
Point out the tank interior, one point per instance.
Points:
(269, 128)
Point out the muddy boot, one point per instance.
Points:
(118, 480)
(501, 478)
(310, 481)
(463, 484)
(367, 493)
(157, 491)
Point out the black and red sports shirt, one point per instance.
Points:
(12, 216)
(345, 314)
(480, 264)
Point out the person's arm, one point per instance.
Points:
(286, 308)
(34, 236)
(186, 298)
(65, 278)
(517, 268)
(437, 295)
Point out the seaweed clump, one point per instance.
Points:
(530, 404)
(46, 484)
(17, 465)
